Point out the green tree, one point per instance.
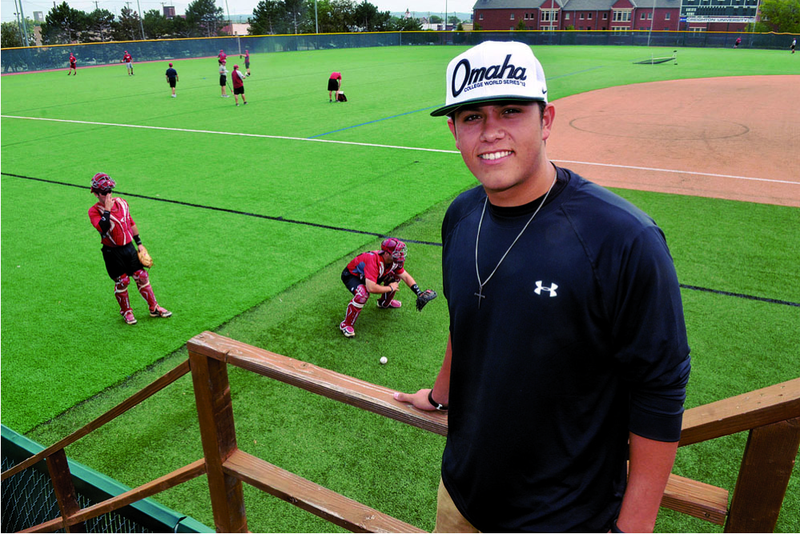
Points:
(452, 19)
(460, 27)
(100, 26)
(64, 25)
(180, 28)
(129, 27)
(156, 25)
(435, 19)
(11, 38)
(521, 25)
(781, 16)
(367, 18)
(269, 18)
(406, 24)
(205, 17)
(295, 13)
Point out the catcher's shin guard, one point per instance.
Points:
(121, 293)
(360, 296)
(143, 283)
(387, 300)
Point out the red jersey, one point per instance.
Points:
(222, 55)
(119, 234)
(72, 61)
(237, 78)
(370, 266)
(127, 58)
(336, 76)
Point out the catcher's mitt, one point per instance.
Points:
(144, 257)
(425, 297)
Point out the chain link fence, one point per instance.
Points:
(57, 57)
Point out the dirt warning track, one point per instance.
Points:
(736, 138)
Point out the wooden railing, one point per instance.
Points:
(771, 415)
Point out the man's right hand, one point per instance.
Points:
(418, 400)
(109, 202)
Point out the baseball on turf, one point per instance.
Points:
(384, 359)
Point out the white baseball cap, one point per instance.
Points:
(492, 71)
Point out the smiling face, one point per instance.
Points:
(503, 145)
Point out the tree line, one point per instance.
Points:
(64, 24)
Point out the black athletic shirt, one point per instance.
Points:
(579, 339)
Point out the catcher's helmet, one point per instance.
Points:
(396, 248)
(102, 183)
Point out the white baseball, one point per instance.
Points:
(384, 359)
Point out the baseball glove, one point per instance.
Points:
(144, 257)
(425, 297)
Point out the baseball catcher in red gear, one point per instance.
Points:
(111, 217)
(379, 272)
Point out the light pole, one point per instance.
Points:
(141, 24)
(652, 21)
(316, 20)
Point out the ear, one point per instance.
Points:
(452, 126)
(548, 118)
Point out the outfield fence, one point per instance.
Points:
(38, 58)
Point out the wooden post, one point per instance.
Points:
(215, 414)
(763, 477)
(58, 466)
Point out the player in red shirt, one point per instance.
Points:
(334, 84)
(111, 217)
(377, 271)
(222, 57)
(73, 65)
(128, 60)
(237, 77)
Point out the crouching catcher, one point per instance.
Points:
(111, 217)
(379, 272)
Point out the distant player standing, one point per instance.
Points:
(237, 77)
(378, 272)
(128, 60)
(223, 79)
(794, 45)
(172, 78)
(334, 84)
(223, 57)
(73, 65)
(247, 61)
(111, 217)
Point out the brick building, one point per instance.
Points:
(615, 15)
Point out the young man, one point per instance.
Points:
(334, 84)
(567, 352)
(378, 272)
(223, 57)
(794, 45)
(223, 79)
(111, 217)
(73, 65)
(247, 61)
(237, 77)
(172, 78)
(128, 60)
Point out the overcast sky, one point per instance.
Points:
(236, 7)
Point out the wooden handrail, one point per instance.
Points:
(118, 410)
(179, 476)
(761, 407)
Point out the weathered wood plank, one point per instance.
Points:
(113, 413)
(343, 388)
(764, 475)
(66, 496)
(179, 476)
(696, 499)
(218, 435)
(312, 497)
(758, 408)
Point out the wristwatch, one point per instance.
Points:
(440, 407)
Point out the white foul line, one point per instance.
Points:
(317, 140)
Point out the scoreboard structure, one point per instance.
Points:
(709, 11)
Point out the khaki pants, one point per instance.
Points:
(448, 518)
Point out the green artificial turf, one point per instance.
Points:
(254, 277)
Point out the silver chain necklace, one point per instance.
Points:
(480, 294)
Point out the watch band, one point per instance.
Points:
(440, 407)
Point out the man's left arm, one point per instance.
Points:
(650, 465)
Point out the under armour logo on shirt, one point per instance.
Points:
(540, 288)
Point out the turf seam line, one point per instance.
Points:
(340, 229)
(374, 145)
(227, 210)
(371, 122)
